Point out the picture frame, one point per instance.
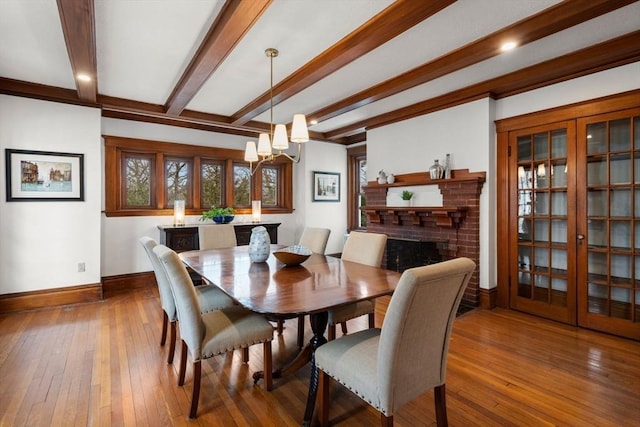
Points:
(326, 186)
(44, 176)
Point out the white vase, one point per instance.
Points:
(259, 244)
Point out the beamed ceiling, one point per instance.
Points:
(349, 65)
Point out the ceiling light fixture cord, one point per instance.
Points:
(277, 137)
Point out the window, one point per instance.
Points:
(146, 177)
(212, 173)
(177, 174)
(139, 171)
(241, 185)
(269, 186)
(357, 177)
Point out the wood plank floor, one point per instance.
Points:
(100, 364)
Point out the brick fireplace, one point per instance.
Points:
(452, 229)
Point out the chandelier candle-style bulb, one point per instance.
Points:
(250, 153)
(280, 141)
(264, 145)
(299, 130)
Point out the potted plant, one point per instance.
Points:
(406, 197)
(219, 215)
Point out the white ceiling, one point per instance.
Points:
(143, 47)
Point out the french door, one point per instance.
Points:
(543, 237)
(575, 222)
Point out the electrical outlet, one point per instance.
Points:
(81, 267)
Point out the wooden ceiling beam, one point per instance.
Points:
(394, 20)
(612, 53)
(549, 21)
(231, 25)
(78, 27)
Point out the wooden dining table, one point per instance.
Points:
(317, 285)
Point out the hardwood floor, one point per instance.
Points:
(100, 364)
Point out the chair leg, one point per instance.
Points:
(439, 394)
(183, 363)
(245, 355)
(172, 343)
(268, 365)
(324, 384)
(280, 326)
(343, 325)
(372, 320)
(195, 396)
(386, 421)
(165, 323)
(331, 332)
(300, 331)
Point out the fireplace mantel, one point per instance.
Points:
(455, 224)
(444, 216)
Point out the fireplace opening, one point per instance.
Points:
(401, 254)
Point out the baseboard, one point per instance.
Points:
(488, 298)
(10, 303)
(126, 282)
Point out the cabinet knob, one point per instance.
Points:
(580, 236)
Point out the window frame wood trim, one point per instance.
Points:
(354, 155)
(115, 145)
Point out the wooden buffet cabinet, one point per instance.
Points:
(185, 238)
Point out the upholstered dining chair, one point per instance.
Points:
(363, 248)
(315, 239)
(209, 297)
(213, 333)
(217, 236)
(390, 367)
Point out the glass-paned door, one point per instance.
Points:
(542, 264)
(609, 223)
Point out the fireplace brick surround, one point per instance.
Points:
(453, 227)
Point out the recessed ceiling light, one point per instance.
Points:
(508, 46)
(83, 77)
(313, 122)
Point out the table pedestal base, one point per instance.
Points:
(318, 326)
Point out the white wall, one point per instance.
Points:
(42, 242)
(123, 254)
(323, 157)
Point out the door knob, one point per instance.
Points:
(580, 236)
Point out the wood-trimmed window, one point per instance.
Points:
(144, 178)
(357, 179)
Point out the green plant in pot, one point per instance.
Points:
(407, 195)
(219, 215)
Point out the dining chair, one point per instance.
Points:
(390, 367)
(363, 248)
(315, 239)
(205, 335)
(210, 297)
(217, 236)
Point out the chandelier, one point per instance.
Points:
(276, 139)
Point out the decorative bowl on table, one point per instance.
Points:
(293, 255)
(223, 219)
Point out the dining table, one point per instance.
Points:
(277, 290)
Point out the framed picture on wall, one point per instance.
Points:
(44, 176)
(326, 187)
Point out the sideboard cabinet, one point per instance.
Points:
(185, 238)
